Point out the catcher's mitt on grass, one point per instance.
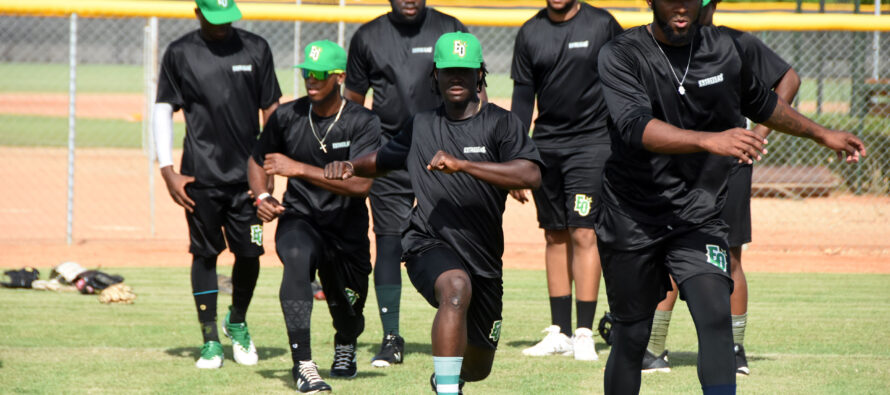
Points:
(117, 293)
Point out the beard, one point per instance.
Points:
(568, 7)
(673, 37)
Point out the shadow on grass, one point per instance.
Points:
(287, 379)
(195, 352)
(410, 348)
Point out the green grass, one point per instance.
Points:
(36, 131)
(808, 334)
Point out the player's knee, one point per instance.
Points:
(454, 290)
(556, 236)
(583, 237)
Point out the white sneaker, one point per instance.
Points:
(583, 345)
(554, 343)
(211, 356)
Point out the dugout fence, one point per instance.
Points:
(77, 80)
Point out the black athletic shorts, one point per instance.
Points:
(571, 181)
(636, 281)
(484, 314)
(737, 210)
(223, 215)
(391, 200)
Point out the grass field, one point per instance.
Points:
(808, 334)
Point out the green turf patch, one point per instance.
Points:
(36, 131)
(807, 333)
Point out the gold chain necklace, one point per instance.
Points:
(320, 140)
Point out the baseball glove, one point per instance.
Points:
(117, 293)
(21, 278)
(93, 281)
(605, 328)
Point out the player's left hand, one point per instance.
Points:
(445, 163)
(845, 144)
(279, 164)
(521, 195)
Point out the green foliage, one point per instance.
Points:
(807, 333)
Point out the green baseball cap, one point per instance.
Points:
(324, 55)
(219, 12)
(458, 49)
(704, 3)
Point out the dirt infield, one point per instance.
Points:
(112, 221)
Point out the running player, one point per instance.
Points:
(322, 224)
(555, 60)
(461, 158)
(676, 92)
(221, 77)
(398, 72)
(774, 72)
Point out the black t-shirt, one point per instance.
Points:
(766, 64)
(221, 86)
(355, 134)
(459, 210)
(647, 195)
(396, 60)
(559, 60)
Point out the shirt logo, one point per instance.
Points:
(711, 80)
(716, 256)
(341, 144)
(460, 48)
(579, 44)
(474, 150)
(582, 204)
(422, 50)
(242, 67)
(314, 53)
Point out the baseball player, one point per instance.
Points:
(393, 55)
(555, 59)
(676, 92)
(775, 73)
(322, 224)
(461, 158)
(221, 77)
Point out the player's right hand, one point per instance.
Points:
(269, 209)
(176, 187)
(521, 195)
(740, 143)
(339, 170)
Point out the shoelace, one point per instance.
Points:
(241, 335)
(343, 355)
(205, 351)
(309, 371)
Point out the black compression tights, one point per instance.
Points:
(387, 266)
(244, 276)
(707, 296)
(629, 341)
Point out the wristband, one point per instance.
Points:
(263, 196)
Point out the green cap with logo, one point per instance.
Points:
(324, 55)
(704, 3)
(219, 12)
(458, 49)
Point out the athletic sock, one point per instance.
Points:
(586, 312)
(561, 313)
(300, 345)
(447, 374)
(205, 290)
(658, 337)
(244, 277)
(388, 297)
(739, 322)
(297, 319)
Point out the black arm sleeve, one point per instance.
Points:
(393, 155)
(523, 103)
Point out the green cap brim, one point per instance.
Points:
(704, 3)
(464, 64)
(315, 67)
(222, 17)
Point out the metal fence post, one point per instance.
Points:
(72, 121)
(298, 28)
(150, 64)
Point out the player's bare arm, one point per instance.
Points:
(787, 120)
(268, 208)
(363, 166)
(355, 97)
(786, 88)
(176, 186)
(514, 174)
(663, 138)
(281, 165)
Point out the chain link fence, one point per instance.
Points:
(115, 192)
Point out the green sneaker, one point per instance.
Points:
(211, 356)
(242, 346)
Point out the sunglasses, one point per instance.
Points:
(320, 75)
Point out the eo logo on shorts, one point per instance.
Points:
(582, 204)
(716, 256)
(351, 296)
(314, 53)
(495, 334)
(460, 48)
(256, 234)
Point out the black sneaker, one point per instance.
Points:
(307, 379)
(460, 385)
(651, 363)
(344, 365)
(390, 351)
(741, 362)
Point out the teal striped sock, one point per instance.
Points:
(447, 374)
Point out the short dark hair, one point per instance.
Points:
(479, 84)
